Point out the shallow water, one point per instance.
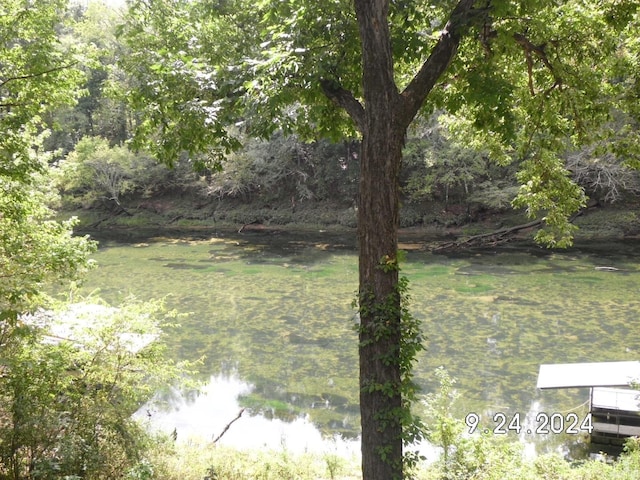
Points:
(215, 415)
(274, 313)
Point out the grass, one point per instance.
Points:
(202, 460)
(486, 458)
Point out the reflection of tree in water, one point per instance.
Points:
(331, 413)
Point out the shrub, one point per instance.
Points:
(97, 172)
(69, 387)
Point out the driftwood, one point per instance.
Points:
(255, 222)
(229, 425)
(496, 237)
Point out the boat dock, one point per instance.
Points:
(614, 400)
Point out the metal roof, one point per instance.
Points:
(576, 375)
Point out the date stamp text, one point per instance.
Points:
(544, 424)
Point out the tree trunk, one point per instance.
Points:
(380, 396)
(383, 121)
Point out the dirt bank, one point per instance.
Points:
(180, 216)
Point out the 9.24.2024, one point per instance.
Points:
(544, 424)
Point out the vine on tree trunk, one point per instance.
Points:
(392, 318)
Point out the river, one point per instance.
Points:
(272, 313)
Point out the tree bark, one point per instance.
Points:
(380, 332)
(381, 154)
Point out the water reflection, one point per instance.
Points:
(204, 416)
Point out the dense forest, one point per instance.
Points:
(179, 113)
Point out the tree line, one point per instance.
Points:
(66, 400)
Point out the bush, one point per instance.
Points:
(70, 383)
(96, 172)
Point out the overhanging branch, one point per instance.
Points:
(530, 49)
(345, 99)
(36, 74)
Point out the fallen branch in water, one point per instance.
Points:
(496, 237)
(255, 222)
(229, 425)
(491, 238)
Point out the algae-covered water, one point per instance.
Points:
(273, 315)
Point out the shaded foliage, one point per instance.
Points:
(65, 406)
(37, 74)
(97, 174)
(285, 168)
(438, 167)
(98, 112)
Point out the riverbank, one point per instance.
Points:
(180, 217)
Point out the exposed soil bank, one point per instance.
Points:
(180, 217)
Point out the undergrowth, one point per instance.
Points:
(478, 458)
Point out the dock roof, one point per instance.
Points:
(580, 375)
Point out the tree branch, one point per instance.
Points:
(345, 99)
(441, 56)
(37, 74)
(228, 425)
(540, 52)
(11, 105)
(491, 238)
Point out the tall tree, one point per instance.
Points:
(36, 74)
(521, 79)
